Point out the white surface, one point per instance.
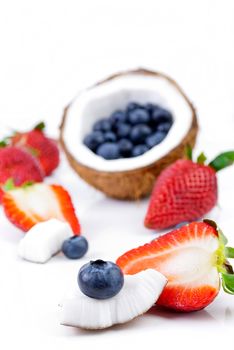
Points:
(49, 51)
(44, 240)
(101, 101)
(138, 295)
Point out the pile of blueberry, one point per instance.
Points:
(130, 132)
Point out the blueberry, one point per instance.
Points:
(108, 150)
(138, 116)
(109, 136)
(132, 105)
(100, 279)
(118, 117)
(139, 150)
(75, 247)
(93, 140)
(102, 125)
(164, 127)
(123, 130)
(125, 147)
(161, 115)
(155, 139)
(139, 133)
(150, 107)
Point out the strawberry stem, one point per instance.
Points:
(222, 161)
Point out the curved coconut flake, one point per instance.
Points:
(44, 240)
(138, 295)
(103, 99)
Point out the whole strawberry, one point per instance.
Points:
(18, 167)
(185, 191)
(40, 146)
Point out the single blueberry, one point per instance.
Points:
(155, 139)
(161, 115)
(138, 116)
(118, 117)
(123, 130)
(109, 136)
(150, 107)
(164, 127)
(132, 105)
(75, 247)
(125, 147)
(102, 125)
(139, 150)
(139, 133)
(108, 150)
(100, 279)
(93, 140)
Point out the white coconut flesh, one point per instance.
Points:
(44, 240)
(138, 295)
(102, 100)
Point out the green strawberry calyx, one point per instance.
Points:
(40, 126)
(4, 142)
(220, 162)
(221, 255)
(10, 185)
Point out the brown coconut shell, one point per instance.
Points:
(137, 183)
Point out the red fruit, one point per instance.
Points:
(185, 191)
(191, 258)
(18, 165)
(29, 205)
(40, 146)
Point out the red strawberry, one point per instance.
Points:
(191, 258)
(185, 191)
(19, 166)
(39, 145)
(26, 206)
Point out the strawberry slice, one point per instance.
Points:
(191, 258)
(26, 206)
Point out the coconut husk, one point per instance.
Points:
(137, 183)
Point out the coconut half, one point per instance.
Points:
(127, 178)
(138, 295)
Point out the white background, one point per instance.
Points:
(49, 50)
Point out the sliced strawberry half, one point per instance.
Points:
(191, 258)
(28, 205)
